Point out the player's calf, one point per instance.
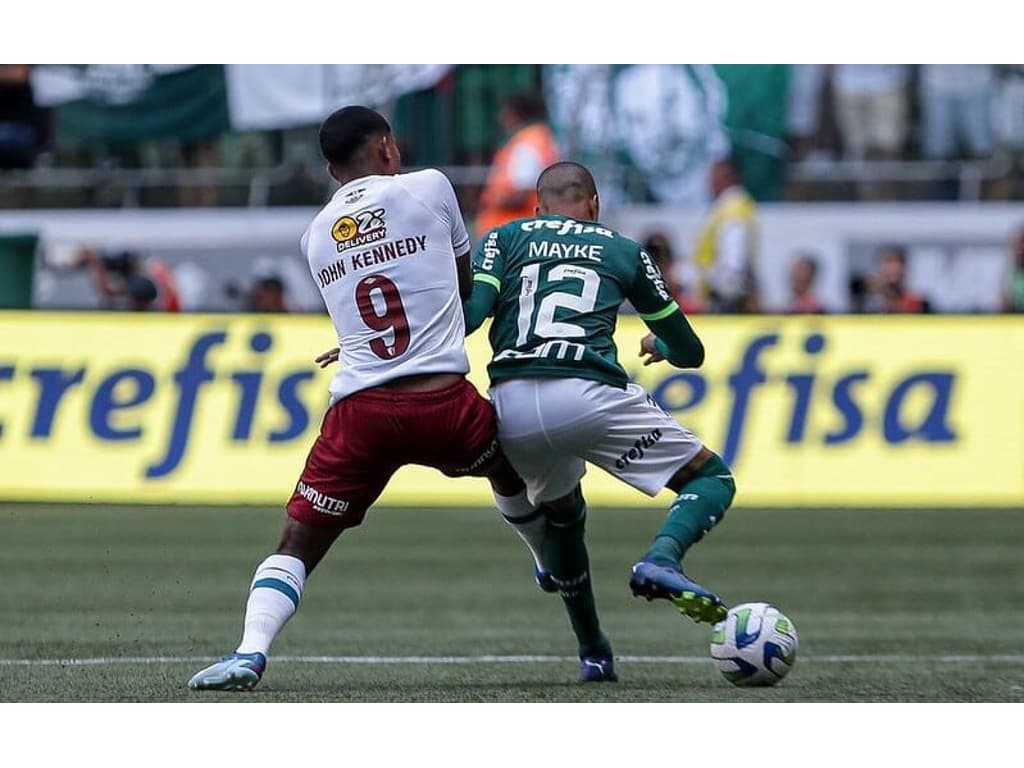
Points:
(704, 494)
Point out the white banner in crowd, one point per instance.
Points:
(263, 96)
(259, 96)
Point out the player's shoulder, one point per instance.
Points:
(517, 226)
(426, 182)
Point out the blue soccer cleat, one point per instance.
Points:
(666, 582)
(544, 580)
(234, 672)
(597, 669)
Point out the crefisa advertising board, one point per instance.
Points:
(847, 411)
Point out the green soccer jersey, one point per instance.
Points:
(559, 285)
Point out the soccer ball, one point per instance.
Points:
(755, 645)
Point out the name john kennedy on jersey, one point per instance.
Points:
(379, 254)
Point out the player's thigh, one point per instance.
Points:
(641, 444)
(543, 426)
(344, 473)
(454, 430)
(548, 474)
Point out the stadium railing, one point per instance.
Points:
(969, 177)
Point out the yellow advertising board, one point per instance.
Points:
(861, 411)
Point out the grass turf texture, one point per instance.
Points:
(85, 582)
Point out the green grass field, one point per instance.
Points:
(923, 605)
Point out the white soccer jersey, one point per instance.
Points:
(382, 252)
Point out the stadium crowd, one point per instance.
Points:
(721, 138)
(781, 121)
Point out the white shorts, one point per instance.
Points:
(548, 428)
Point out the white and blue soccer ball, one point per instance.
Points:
(756, 644)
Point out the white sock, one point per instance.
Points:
(273, 597)
(526, 520)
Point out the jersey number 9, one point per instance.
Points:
(392, 321)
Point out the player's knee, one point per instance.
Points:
(306, 542)
(505, 481)
(730, 491)
(566, 510)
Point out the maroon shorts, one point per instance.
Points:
(365, 437)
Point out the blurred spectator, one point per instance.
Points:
(509, 192)
(141, 293)
(726, 248)
(267, 295)
(803, 300)
(1013, 301)
(1009, 129)
(956, 109)
(803, 107)
(871, 109)
(659, 247)
(888, 293)
(20, 129)
(121, 281)
(199, 155)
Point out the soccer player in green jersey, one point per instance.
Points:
(554, 284)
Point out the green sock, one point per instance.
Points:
(700, 505)
(565, 554)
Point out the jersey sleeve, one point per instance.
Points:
(488, 276)
(649, 292)
(489, 262)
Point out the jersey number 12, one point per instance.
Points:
(545, 326)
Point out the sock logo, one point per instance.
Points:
(570, 587)
(638, 449)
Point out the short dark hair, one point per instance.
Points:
(345, 132)
(273, 282)
(566, 180)
(142, 289)
(659, 247)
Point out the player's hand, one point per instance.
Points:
(328, 357)
(649, 351)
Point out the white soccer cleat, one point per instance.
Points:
(235, 672)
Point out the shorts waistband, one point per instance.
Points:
(385, 395)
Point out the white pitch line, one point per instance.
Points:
(393, 660)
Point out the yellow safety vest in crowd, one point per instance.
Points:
(735, 204)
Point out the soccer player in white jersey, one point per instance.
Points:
(391, 256)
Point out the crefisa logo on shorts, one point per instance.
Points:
(638, 449)
(367, 226)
